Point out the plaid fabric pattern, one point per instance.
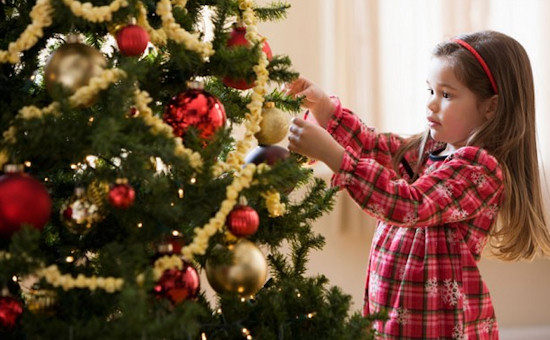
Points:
(423, 261)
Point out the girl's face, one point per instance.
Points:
(453, 110)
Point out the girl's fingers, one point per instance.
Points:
(298, 122)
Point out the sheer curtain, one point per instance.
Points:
(374, 54)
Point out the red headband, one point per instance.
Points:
(481, 62)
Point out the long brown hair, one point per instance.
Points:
(509, 135)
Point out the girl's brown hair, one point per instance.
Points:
(509, 135)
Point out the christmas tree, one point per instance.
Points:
(139, 148)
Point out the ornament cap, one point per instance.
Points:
(121, 180)
(269, 105)
(73, 38)
(195, 85)
(13, 168)
(243, 200)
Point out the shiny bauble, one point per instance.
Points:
(71, 67)
(269, 154)
(132, 40)
(178, 285)
(273, 126)
(242, 221)
(122, 195)
(10, 312)
(245, 274)
(195, 108)
(23, 201)
(79, 213)
(237, 38)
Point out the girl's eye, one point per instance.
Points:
(446, 95)
(431, 92)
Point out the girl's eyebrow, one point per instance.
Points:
(443, 85)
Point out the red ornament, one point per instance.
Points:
(10, 311)
(195, 108)
(269, 154)
(132, 40)
(23, 200)
(237, 38)
(243, 221)
(179, 285)
(121, 195)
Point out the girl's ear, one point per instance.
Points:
(491, 107)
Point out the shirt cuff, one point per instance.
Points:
(343, 177)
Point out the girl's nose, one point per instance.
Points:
(432, 105)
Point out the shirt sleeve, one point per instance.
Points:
(467, 184)
(360, 140)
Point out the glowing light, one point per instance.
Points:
(69, 259)
(91, 160)
(14, 278)
(139, 225)
(175, 233)
(180, 193)
(28, 164)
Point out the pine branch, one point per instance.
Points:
(275, 11)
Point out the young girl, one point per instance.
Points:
(437, 195)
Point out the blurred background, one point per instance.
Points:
(374, 54)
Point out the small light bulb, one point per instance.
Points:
(175, 233)
(28, 164)
(69, 259)
(193, 180)
(139, 225)
(180, 193)
(14, 278)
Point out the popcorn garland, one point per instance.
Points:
(41, 18)
(53, 276)
(41, 15)
(273, 203)
(175, 32)
(253, 118)
(158, 126)
(97, 13)
(241, 181)
(80, 97)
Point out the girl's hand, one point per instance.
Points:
(315, 142)
(315, 99)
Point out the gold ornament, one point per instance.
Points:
(79, 213)
(246, 272)
(274, 125)
(72, 66)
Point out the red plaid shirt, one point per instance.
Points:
(423, 261)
